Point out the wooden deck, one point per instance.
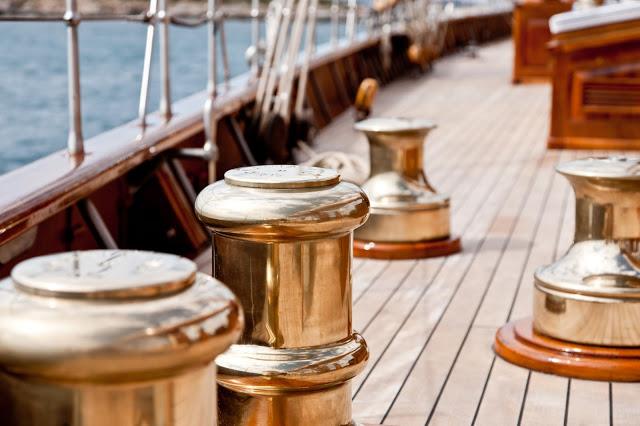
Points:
(430, 323)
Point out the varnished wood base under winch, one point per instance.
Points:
(413, 250)
(519, 344)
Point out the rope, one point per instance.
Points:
(351, 167)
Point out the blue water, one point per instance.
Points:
(33, 78)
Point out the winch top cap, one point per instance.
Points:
(615, 167)
(394, 125)
(278, 202)
(104, 274)
(281, 177)
(113, 316)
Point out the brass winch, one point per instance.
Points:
(408, 217)
(282, 240)
(592, 294)
(112, 337)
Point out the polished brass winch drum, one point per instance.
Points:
(592, 294)
(405, 208)
(112, 337)
(282, 240)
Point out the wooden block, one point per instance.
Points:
(408, 250)
(518, 343)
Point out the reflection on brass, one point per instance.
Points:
(112, 337)
(404, 206)
(282, 241)
(555, 304)
(595, 286)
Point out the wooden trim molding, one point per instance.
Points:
(518, 343)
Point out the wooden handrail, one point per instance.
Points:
(39, 190)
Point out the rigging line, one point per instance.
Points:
(282, 101)
(276, 13)
(278, 59)
(310, 38)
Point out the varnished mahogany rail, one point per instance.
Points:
(48, 186)
(118, 170)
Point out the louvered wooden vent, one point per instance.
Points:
(619, 96)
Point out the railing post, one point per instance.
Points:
(351, 25)
(75, 141)
(309, 51)
(255, 35)
(165, 95)
(146, 68)
(226, 71)
(371, 22)
(212, 27)
(335, 22)
(210, 146)
(385, 41)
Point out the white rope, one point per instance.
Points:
(351, 167)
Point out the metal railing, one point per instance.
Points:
(75, 140)
(93, 172)
(158, 19)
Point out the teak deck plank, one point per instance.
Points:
(462, 310)
(586, 403)
(625, 407)
(384, 325)
(490, 232)
(504, 237)
(545, 400)
(377, 295)
(441, 290)
(540, 251)
(432, 361)
(504, 378)
(430, 323)
(367, 275)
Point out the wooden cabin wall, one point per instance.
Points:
(531, 59)
(596, 88)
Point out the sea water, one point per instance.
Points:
(33, 78)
